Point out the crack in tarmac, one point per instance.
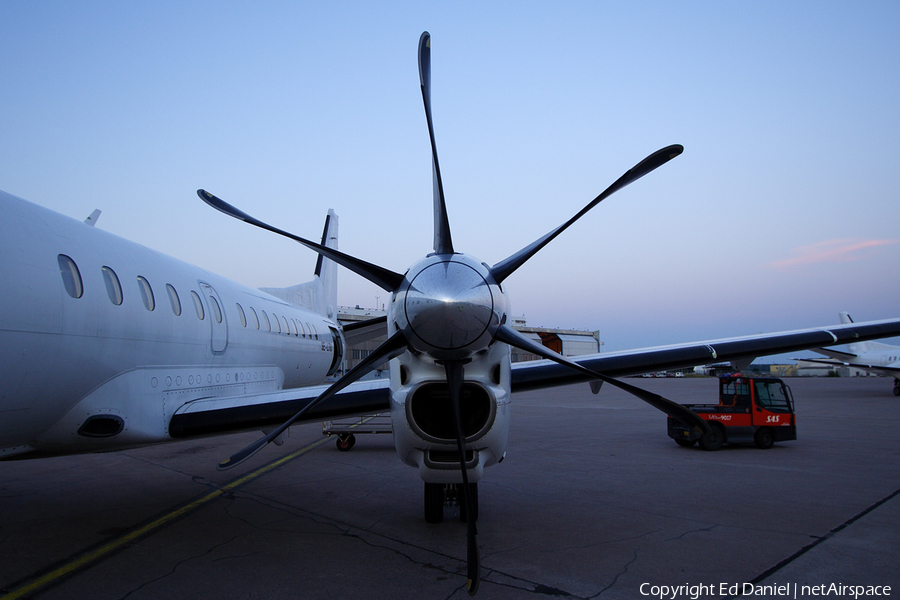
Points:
(692, 531)
(624, 570)
(348, 530)
(176, 566)
(603, 542)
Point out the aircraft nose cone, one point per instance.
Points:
(449, 305)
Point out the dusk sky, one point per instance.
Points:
(783, 210)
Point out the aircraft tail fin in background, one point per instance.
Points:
(860, 348)
(320, 294)
(326, 270)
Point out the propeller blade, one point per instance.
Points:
(442, 242)
(394, 346)
(383, 278)
(455, 377)
(512, 337)
(505, 268)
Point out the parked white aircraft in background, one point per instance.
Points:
(105, 344)
(872, 357)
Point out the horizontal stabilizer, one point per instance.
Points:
(363, 331)
(856, 365)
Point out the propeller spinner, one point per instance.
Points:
(450, 307)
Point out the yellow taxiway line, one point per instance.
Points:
(86, 558)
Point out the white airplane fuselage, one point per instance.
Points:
(108, 368)
(872, 357)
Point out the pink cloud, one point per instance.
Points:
(831, 251)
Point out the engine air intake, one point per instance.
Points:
(430, 412)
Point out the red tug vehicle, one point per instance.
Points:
(750, 409)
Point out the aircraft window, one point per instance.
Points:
(266, 320)
(287, 329)
(255, 318)
(146, 293)
(303, 328)
(198, 304)
(174, 300)
(277, 324)
(294, 326)
(312, 331)
(216, 311)
(113, 287)
(70, 276)
(242, 315)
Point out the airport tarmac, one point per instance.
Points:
(592, 501)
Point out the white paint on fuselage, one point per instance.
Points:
(57, 351)
(490, 445)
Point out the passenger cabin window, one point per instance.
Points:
(174, 300)
(113, 287)
(146, 293)
(70, 276)
(241, 314)
(198, 305)
(277, 324)
(254, 317)
(215, 309)
(266, 320)
(312, 331)
(287, 330)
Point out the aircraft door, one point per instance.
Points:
(216, 318)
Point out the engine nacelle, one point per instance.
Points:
(424, 429)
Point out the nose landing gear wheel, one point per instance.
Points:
(434, 502)
(345, 441)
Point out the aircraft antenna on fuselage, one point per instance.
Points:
(93, 217)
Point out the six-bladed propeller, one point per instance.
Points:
(450, 307)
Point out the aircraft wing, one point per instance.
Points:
(270, 409)
(882, 370)
(839, 355)
(544, 373)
